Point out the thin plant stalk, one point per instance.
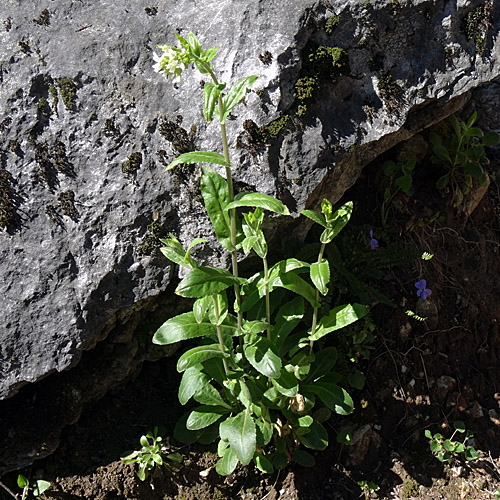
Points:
(315, 311)
(268, 301)
(220, 339)
(232, 212)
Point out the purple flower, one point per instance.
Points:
(373, 241)
(422, 292)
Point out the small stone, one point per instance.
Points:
(494, 417)
(475, 411)
(205, 473)
(445, 384)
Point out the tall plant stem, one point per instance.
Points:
(232, 213)
(232, 217)
(219, 337)
(315, 312)
(268, 302)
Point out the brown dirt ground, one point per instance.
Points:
(419, 376)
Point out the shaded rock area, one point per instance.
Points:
(86, 128)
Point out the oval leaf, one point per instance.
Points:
(240, 432)
(215, 193)
(259, 200)
(260, 354)
(193, 380)
(203, 416)
(204, 281)
(320, 275)
(198, 355)
(199, 157)
(339, 317)
(185, 326)
(211, 93)
(333, 396)
(227, 463)
(315, 216)
(316, 438)
(236, 94)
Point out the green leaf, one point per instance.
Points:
(459, 426)
(263, 464)
(428, 434)
(199, 354)
(474, 169)
(390, 168)
(240, 432)
(405, 183)
(201, 307)
(304, 458)
(259, 200)
(315, 216)
(227, 463)
(209, 395)
(291, 281)
(22, 481)
(221, 299)
(188, 261)
(448, 446)
(204, 281)
(473, 132)
(472, 119)
(441, 153)
(264, 430)
(340, 218)
(199, 157)
(236, 94)
(174, 251)
(434, 446)
(470, 453)
(442, 182)
(211, 93)
(287, 318)
(323, 363)
(216, 197)
(333, 396)
(316, 438)
(344, 436)
(356, 380)
(184, 326)
(261, 355)
(203, 416)
(320, 275)
(286, 384)
(192, 381)
(491, 139)
(338, 318)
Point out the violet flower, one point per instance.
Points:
(422, 292)
(373, 241)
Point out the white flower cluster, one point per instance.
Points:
(171, 63)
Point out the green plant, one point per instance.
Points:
(259, 370)
(368, 487)
(463, 157)
(151, 455)
(36, 487)
(447, 449)
(400, 180)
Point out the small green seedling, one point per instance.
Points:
(368, 488)
(36, 487)
(463, 157)
(445, 450)
(400, 179)
(151, 455)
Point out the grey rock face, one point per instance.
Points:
(86, 128)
